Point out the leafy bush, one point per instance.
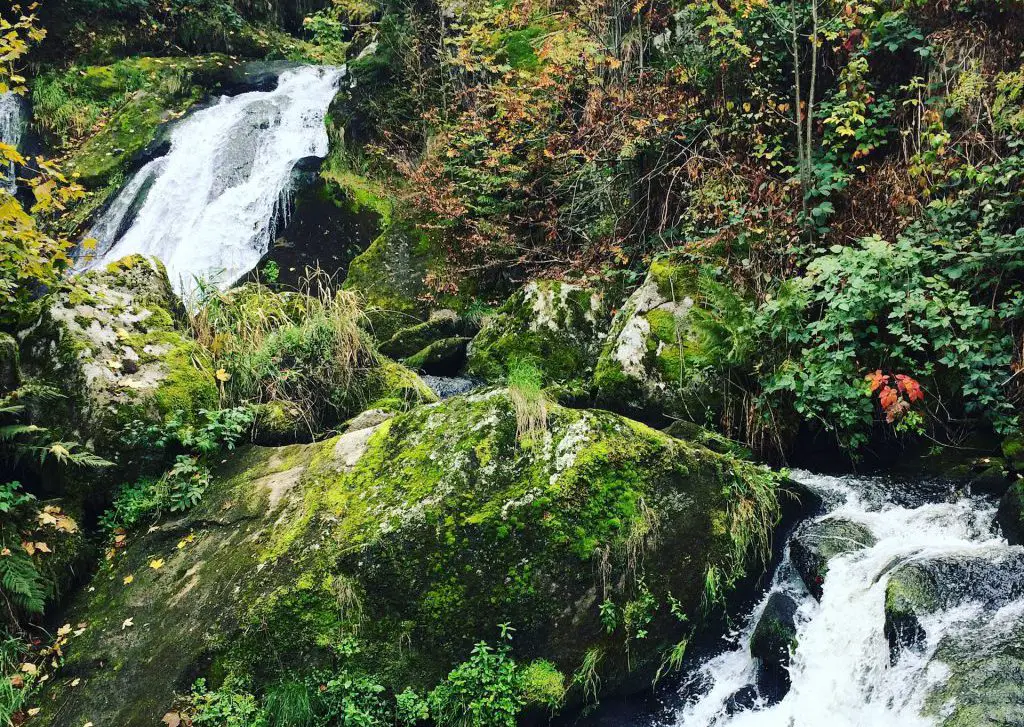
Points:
(484, 691)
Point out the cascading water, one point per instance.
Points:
(209, 208)
(843, 672)
(12, 128)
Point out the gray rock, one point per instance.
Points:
(817, 542)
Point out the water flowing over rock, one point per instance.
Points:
(209, 208)
(933, 560)
(12, 128)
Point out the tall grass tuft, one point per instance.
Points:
(304, 348)
(526, 389)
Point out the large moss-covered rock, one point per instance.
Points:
(984, 676)
(554, 324)
(818, 542)
(643, 367)
(389, 276)
(111, 340)
(393, 548)
(923, 587)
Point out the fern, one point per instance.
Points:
(22, 584)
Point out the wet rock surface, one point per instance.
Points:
(817, 542)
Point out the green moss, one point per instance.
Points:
(543, 684)
(552, 324)
(189, 385)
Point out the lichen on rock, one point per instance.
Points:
(556, 325)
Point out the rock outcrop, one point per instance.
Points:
(113, 341)
(817, 542)
(643, 367)
(555, 325)
(395, 547)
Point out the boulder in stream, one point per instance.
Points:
(773, 641)
(922, 587)
(393, 549)
(819, 541)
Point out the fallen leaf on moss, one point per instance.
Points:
(156, 563)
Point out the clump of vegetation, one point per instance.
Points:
(182, 486)
(25, 526)
(304, 349)
(526, 390)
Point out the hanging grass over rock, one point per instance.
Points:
(303, 354)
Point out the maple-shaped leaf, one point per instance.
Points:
(888, 397)
(875, 380)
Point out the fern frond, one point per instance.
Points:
(22, 583)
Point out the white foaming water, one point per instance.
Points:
(209, 208)
(841, 672)
(12, 127)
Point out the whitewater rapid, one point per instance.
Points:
(210, 207)
(841, 671)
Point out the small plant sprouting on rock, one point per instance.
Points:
(526, 389)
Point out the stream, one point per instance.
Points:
(843, 672)
(209, 208)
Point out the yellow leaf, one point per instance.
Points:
(29, 668)
(64, 630)
(76, 681)
(43, 547)
(127, 622)
(33, 711)
(222, 375)
(156, 563)
(128, 579)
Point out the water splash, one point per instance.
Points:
(841, 673)
(210, 207)
(12, 129)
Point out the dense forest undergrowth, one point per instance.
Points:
(672, 242)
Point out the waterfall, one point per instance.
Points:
(209, 208)
(842, 672)
(12, 128)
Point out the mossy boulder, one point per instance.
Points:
(112, 340)
(392, 549)
(772, 643)
(446, 356)
(644, 367)
(442, 324)
(923, 587)
(555, 325)
(817, 542)
(984, 676)
(1010, 515)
